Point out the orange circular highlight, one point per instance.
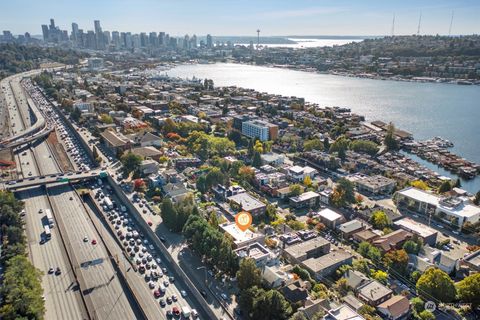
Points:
(243, 220)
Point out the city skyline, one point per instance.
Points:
(240, 19)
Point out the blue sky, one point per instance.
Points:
(235, 17)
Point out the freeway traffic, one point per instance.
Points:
(36, 161)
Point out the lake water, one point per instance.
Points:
(313, 43)
(424, 109)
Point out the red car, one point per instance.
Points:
(176, 311)
(150, 223)
(156, 293)
(94, 242)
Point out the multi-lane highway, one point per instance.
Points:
(76, 293)
(103, 292)
(62, 295)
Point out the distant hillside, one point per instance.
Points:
(416, 46)
(15, 58)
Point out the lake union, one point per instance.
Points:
(424, 109)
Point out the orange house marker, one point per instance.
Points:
(243, 220)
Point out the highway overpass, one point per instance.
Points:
(53, 178)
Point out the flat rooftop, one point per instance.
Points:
(420, 195)
(415, 227)
(247, 202)
(255, 251)
(329, 214)
(305, 196)
(238, 235)
(326, 261)
(301, 248)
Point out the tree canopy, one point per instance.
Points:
(437, 284)
(248, 275)
(379, 220)
(131, 162)
(469, 290)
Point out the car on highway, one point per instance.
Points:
(156, 293)
(183, 293)
(169, 300)
(51, 270)
(203, 293)
(224, 296)
(169, 314)
(94, 241)
(58, 271)
(85, 239)
(176, 311)
(162, 303)
(174, 297)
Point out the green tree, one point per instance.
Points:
(271, 211)
(248, 275)
(247, 300)
(314, 144)
(326, 144)
(397, 260)
(96, 156)
(21, 290)
(437, 284)
(295, 190)
(256, 160)
(426, 315)
(271, 306)
(390, 142)
(419, 184)
(76, 114)
(367, 310)
(343, 193)
(445, 187)
(105, 118)
(302, 273)
(476, 200)
(469, 290)
(417, 304)
(131, 162)
(361, 265)
(340, 146)
(380, 276)
(299, 315)
(364, 146)
(379, 220)
(411, 247)
(168, 213)
(201, 184)
(214, 177)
